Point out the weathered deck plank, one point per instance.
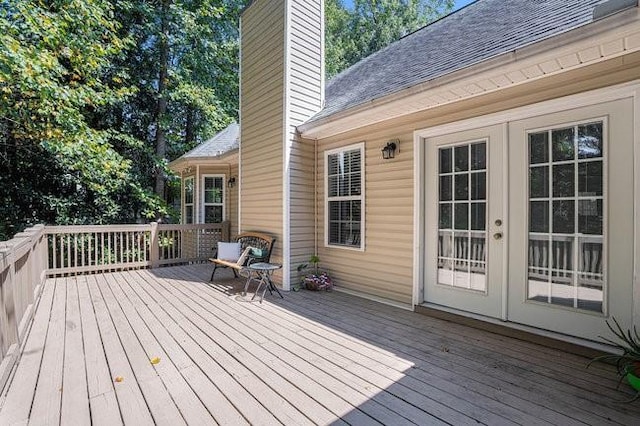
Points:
(103, 402)
(75, 402)
(311, 358)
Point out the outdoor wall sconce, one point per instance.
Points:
(389, 151)
(231, 182)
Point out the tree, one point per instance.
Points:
(352, 35)
(184, 66)
(58, 167)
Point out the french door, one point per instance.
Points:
(571, 202)
(532, 221)
(464, 221)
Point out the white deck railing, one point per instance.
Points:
(23, 264)
(31, 256)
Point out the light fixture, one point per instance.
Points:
(231, 182)
(389, 151)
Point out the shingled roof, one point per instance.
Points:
(222, 143)
(475, 33)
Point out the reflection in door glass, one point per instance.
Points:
(566, 217)
(462, 257)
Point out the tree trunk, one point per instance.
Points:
(189, 132)
(161, 143)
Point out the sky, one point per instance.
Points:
(457, 4)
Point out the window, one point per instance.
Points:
(188, 200)
(344, 186)
(212, 198)
(566, 216)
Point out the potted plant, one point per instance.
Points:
(627, 360)
(311, 276)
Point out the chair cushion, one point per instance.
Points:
(229, 251)
(258, 252)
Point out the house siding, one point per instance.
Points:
(304, 100)
(261, 113)
(385, 268)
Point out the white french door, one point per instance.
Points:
(532, 221)
(464, 221)
(571, 203)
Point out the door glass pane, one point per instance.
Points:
(563, 180)
(479, 156)
(590, 217)
(446, 216)
(563, 217)
(539, 182)
(590, 140)
(566, 218)
(562, 144)
(462, 186)
(538, 216)
(462, 254)
(478, 216)
(446, 192)
(590, 178)
(461, 158)
(446, 159)
(539, 148)
(479, 186)
(461, 215)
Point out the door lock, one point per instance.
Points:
(497, 236)
(498, 222)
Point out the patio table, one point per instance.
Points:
(263, 272)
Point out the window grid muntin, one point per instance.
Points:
(576, 275)
(449, 236)
(353, 157)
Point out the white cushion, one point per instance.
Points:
(229, 251)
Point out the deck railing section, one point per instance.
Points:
(22, 272)
(99, 248)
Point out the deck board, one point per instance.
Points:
(75, 402)
(310, 358)
(103, 403)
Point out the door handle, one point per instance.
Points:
(497, 236)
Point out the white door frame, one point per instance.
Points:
(621, 91)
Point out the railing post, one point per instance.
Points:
(226, 230)
(154, 250)
(8, 319)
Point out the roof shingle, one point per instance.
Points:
(225, 141)
(480, 31)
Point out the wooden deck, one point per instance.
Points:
(312, 358)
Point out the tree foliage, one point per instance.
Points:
(353, 34)
(80, 98)
(56, 166)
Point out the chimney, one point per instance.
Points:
(281, 86)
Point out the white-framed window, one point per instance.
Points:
(213, 195)
(344, 197)
(187, 214)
